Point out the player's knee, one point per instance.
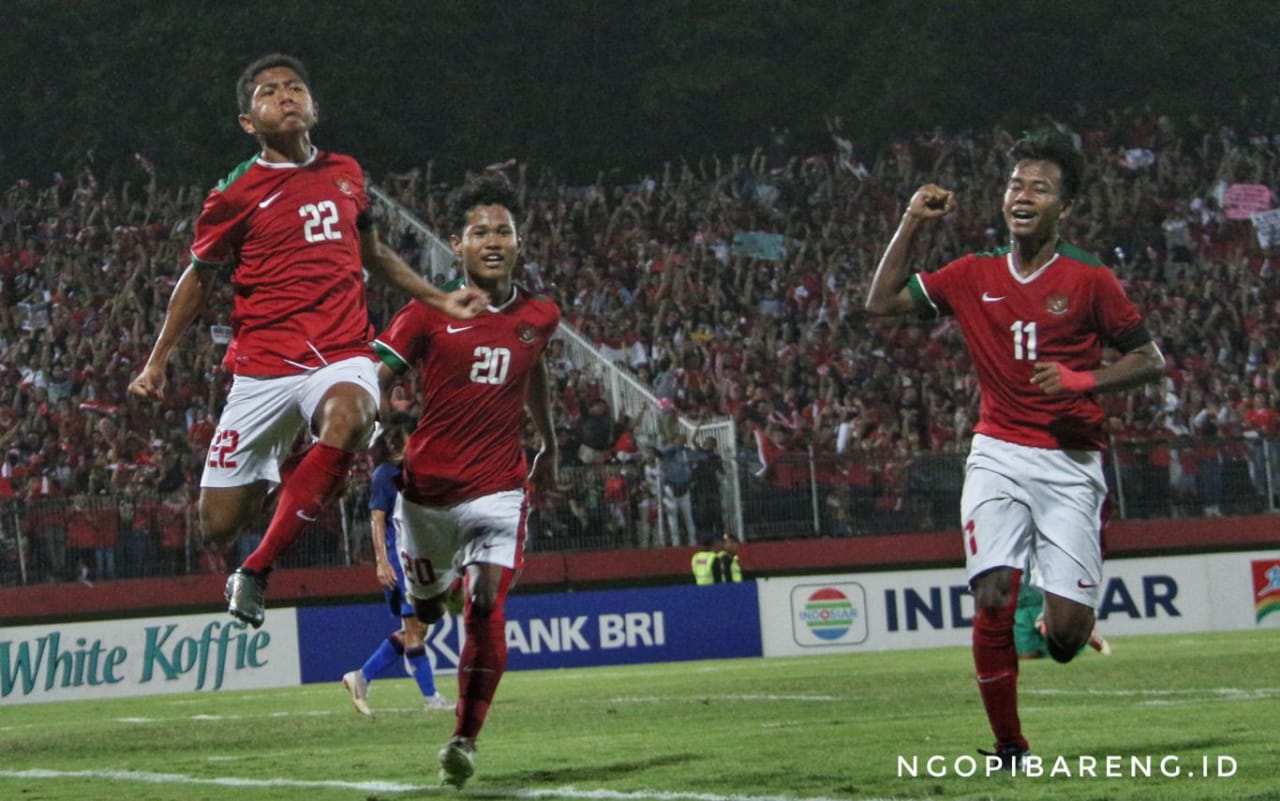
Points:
(1062, 651)
(428, 610)
(415, 632)
(346, 420)
(220, 524)
(484, 600)
(993, 591)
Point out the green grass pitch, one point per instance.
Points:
(798, 729)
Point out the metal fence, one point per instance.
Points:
(613, 505)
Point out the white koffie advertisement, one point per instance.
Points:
(145, 656)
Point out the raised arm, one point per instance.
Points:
(888, 293)
(380, 260)
(189, 298)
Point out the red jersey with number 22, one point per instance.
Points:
(474, 375)
(288, 234)
(1065, 312)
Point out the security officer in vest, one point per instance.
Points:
(730, 569)
(706, 564)
(719, 563)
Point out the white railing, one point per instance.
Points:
(628, 395)
(436, 257)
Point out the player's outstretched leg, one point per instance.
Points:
(995, 658)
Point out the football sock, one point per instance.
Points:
(481, 663)
(319, 476)
(996, 661)
(420, 668)
(387, 652)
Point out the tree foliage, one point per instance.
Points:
(589, 85)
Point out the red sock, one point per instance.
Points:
(482, 662)
(996, 661)
(318, 477)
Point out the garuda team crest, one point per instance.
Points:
(1056, 303)
(525, 333)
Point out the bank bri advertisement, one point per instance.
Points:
(558, 630)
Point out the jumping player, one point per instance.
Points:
(291, 229)
(463, 503)
(1036, 317)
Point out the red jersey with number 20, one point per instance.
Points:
(474, 375)
(1065, 312)
(288, 234)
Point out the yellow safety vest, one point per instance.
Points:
(703, 563)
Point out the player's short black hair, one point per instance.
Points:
(389, 442)
(1049, 144)
(245, 86)
(488, 190)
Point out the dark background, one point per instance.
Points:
(581, 86)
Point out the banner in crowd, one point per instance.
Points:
(146, 656)
(1241, 201)
(933, 608)
(556, 630)
(759, 245)
(1266, 226)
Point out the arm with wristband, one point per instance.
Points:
(1139, 366)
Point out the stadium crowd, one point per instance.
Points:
(729, 286)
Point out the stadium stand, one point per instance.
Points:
(719, 300)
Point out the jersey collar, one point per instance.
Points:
(288, 165)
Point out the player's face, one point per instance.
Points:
(1033, 204)
(282, 104)
(488, 247)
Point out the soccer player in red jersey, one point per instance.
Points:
(463, 503)
(292, 230)
(1036, 317)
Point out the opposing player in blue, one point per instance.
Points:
(409, 642)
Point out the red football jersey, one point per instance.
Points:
(1066, 312)
(287, 232)
(475, 374)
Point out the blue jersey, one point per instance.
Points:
(382, 498)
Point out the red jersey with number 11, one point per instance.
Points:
(1065, 312)
(287, 233)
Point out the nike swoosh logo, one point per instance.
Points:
(270, 200)
(1080, 583)
(304, 516)
(988, 298)
(451, 330)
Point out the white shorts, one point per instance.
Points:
(263, 416)
(1037, 510)
(435, 544)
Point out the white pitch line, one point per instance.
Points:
(396, 787)
(655, 699)
(1220, 692)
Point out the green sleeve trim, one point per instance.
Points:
(926, 309)
(1083, 256)
(389, 357)
(239, 170)
(200, 264)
